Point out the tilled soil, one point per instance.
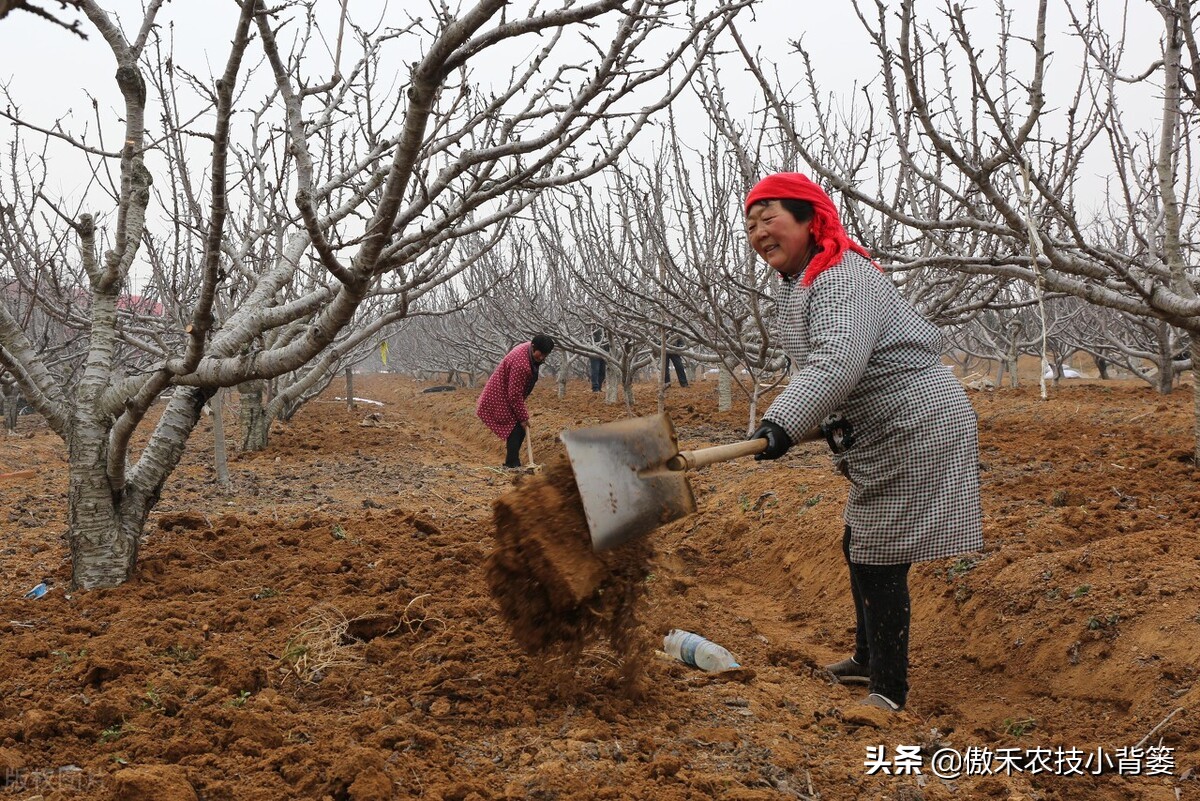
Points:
(329, 631)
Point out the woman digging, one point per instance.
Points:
(899, 424)
(501, 405)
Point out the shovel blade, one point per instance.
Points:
(620, 500)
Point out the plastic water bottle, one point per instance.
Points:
(38, 591)
(692, 649)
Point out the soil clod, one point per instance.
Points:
(557, 594)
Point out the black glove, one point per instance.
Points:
(777, 439)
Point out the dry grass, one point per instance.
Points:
(319, 645)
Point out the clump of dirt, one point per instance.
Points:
(557, 594)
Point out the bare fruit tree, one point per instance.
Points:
(498, 108)
(937, 166)
(1146, 348)
(687, 263)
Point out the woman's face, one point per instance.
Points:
(775, 235)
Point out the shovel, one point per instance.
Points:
(632, 476)
(533, 466)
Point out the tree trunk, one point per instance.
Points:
(103, 542)
(1196, 400)
(753, 409)
(1011, 365)
(1166, 360)
(350, 389)
(662, 368)
(1166, 378)
(104, 526)
(724, 389)
(220, 455)
(1172, 157)
(103, 538)
(12, 409)
(284, 410)
(1013, 355)
(255, 425)
(564, 370)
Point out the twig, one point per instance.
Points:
(1162, 723)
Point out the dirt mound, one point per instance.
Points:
(556, 593)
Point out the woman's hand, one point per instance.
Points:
(777, 439)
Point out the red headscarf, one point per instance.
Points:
(826, 227)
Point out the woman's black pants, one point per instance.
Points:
(596, 370)
(513, 446)
(681, 373)
(882, 611)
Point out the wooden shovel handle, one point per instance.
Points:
(691, 460)
(702, 457)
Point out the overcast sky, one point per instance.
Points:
(53, 75)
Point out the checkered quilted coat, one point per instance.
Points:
(501, 405)
(864, 352)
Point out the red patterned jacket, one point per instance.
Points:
(501, 405)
